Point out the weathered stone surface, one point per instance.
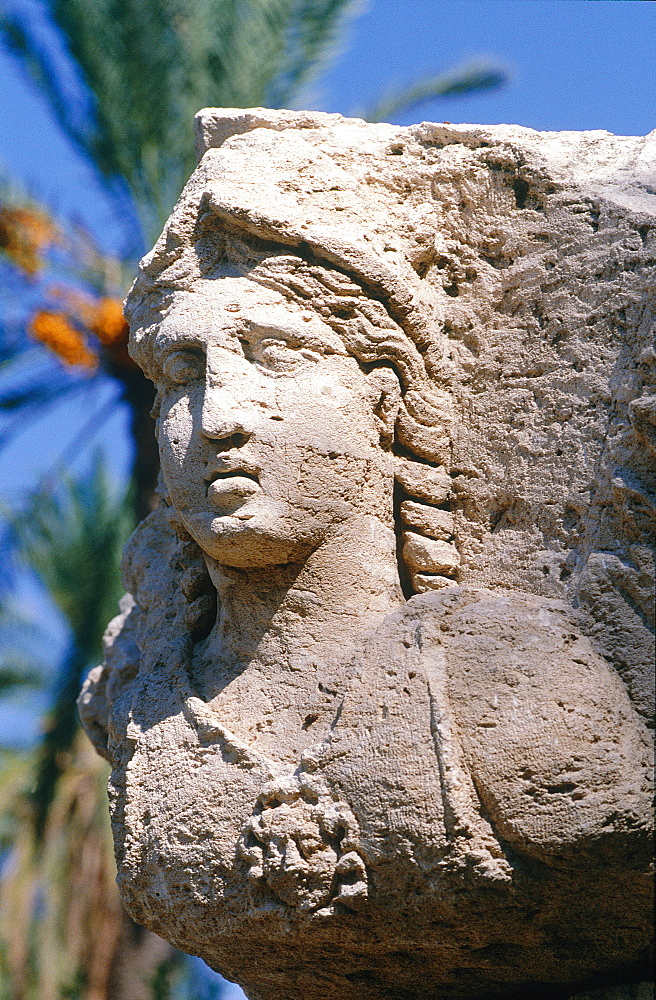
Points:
(430, 554)
(430, 521)
(378, 705)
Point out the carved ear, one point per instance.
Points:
(386, 399)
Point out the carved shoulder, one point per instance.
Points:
(559, 758)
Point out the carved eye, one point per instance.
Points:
(184, 366)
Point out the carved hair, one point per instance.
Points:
(369, 332)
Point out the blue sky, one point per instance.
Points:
(575, 64)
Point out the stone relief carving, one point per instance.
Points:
(304, 845)
(377, 704)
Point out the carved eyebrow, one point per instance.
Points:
(295, 334)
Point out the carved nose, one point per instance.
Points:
(226, 422)
(233, 441)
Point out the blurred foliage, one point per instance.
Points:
(469, 78)
(73, 539)
(60, 915)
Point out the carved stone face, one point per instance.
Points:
(268, 431)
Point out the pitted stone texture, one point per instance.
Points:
(394, 361)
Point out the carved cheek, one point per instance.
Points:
(332, 412)
(179, 442)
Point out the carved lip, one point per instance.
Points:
(233, 472)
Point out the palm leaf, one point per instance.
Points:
(73, 540)
(313, 39)
(53, 896)
(467, 79)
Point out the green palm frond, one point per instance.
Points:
(466, 79)
(313, 36)
(22, 646)
(16, 670)
(73, 539)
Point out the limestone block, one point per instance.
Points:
(427, 483)
(429, 554)
(423, 582)
(430, 521)
(378, 702)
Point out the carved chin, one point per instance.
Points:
(267, 533)
(245, 543)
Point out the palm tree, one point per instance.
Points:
(59, 879)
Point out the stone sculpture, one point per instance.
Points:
(377, 701)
